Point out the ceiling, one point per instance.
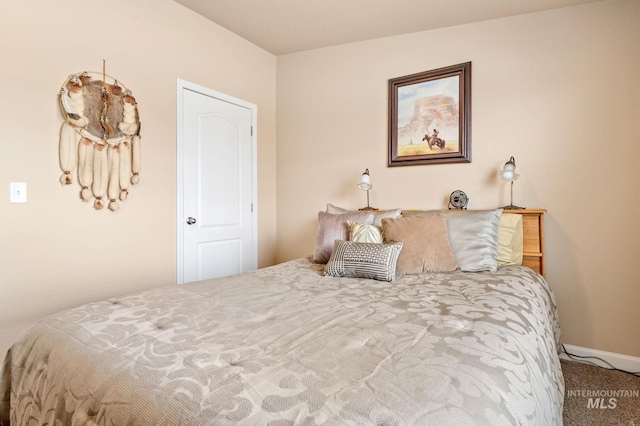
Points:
(288, 26)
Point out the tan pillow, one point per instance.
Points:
(510, 239)
(332, 227)
(426, 246)
(362, 233)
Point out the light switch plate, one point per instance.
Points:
(18, 192)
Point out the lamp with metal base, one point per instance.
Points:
(365, 185)
(508, 173)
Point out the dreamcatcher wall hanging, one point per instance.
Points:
(100, 138)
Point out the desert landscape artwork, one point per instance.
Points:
(429, 117)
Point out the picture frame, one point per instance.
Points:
(430, 117)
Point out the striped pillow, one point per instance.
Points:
(363, 260)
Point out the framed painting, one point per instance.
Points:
(430, 117)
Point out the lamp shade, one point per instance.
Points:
(509, 170)
(365, 181)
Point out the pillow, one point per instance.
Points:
(335, 209)
(474, 239)
(363, 260)
(510, 244)
(332, 227)
(426, 245)
(362, 233)
(414, 213)
(378, 215)
(385, 214)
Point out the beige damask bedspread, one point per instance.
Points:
(286, 346)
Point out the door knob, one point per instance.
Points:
(191, 220)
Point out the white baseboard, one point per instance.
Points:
(619, 361)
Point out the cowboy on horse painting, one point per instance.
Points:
(434, 139)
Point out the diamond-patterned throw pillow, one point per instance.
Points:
(363, 260)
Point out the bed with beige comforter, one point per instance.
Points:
(286, 346)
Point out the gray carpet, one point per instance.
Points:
(597, 396)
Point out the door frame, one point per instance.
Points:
(181, 86)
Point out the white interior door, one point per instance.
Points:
(216, 188)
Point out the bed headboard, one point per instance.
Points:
(533, 238)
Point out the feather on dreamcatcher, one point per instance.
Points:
(100, 137)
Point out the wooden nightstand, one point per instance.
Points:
(533, 236)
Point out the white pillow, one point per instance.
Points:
(335, 209)
(474, 239)
(378, 215)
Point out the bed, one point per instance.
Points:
(287, 345)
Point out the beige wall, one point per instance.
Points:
(558, 90)
(55, 251)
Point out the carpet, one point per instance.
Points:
(597, 396)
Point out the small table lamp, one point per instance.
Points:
(509, 174)
(365, 185)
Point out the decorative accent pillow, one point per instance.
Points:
(426, 245)
(474, 239)
(378, 215)
(362, 233)
(332, 227)
(510, 240)
(363, 260)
